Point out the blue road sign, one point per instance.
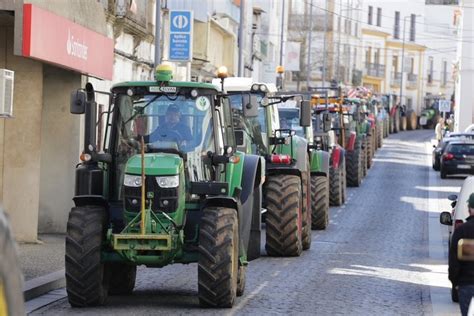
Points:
(180, 21)
(180, 46)
(181, 28)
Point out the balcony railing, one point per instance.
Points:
(375, 70)
(396, 79)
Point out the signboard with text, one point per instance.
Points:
(57, 40)
(181, 35)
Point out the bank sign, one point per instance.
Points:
(181, 35)
(54, 39)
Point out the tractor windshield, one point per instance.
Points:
(168, 122)
(290, 119)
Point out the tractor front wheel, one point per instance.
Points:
(284, 215)
(306, 209)
(218, 263)
(87, 282)
(241, 280)
(370, 151)
(353, 163)
(319, 202)
(335, 186)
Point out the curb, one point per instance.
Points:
(44, 284)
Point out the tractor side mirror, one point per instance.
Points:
(326, 122)
(78, 102)
(445, 218)
(250, 105)
(305, 113)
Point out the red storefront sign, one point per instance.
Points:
(57, 40)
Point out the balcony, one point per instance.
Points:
(412, 81)
(375, 70)
(396, 79)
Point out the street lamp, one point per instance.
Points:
(403, 59)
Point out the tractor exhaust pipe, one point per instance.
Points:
(90, 120)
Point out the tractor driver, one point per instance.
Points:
(172, 128)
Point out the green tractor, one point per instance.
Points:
(286, 195)
(168, 188)
(319, 155)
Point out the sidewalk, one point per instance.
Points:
(42, 264)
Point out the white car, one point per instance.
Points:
(458, 214)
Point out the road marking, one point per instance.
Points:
(247, 298)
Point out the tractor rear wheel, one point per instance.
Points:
(365, 157)
(122, 280)
(284, 215)
(403, 123)
(306, 207)
(11, 283)
(218, 263)
(380, 135)
(370, 148)
(335, 186)
(412, 120)
(87, 280)
(344, 181)
(319, 202)
(353, 166)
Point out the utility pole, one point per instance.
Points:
(403, 63)
(308, 63)
(158, 33)
(241, 37)
(338, 41)
(325, 30)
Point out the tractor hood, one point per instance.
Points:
(428, 113)
(156, 164)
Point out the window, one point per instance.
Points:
(369, 21)
(356, 29)
(368, 54)
(396, 28)
(355, 57)
(379, 16)
(377, 56)
(444, 78)
(412, 27)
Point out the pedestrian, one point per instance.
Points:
(461, 273)
(439, 129)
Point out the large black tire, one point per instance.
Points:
(319, 202)
(122, 280)
(344, 181)
(396, 121)
(386, 124)
(353, 166)
(218, 262)
(306, 205)
(380, 134)
(412, 120)
(442, 173)
(284, 215)
(87, 280)
(365, 157)
(370, 149)
(336, 183)
(254, 246)
(11, 280)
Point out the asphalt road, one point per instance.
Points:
(372, 259)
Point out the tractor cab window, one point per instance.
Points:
(290, 119)
(254, 127)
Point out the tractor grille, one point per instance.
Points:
(133, 197)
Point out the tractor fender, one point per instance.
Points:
(253, 176)
(320, 163)
(351, 143)
(337, 156)
(83, 200)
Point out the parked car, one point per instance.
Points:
(457, 158)
(458, 214)
(469, 129)
(438, 150)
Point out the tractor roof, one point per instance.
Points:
(242, 84)
(178, 84)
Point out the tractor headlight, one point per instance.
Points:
(168, 181)
(132, 181)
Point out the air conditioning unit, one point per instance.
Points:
(6, 92)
